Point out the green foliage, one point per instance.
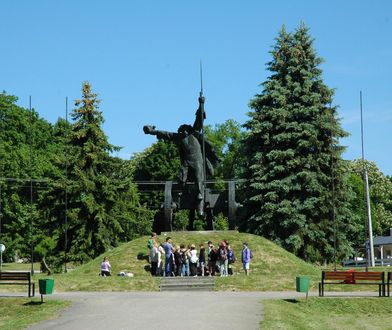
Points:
(103, 203)
(294, 157)
(22, 132)
(159, 162)
(226, 139)
(380, 190)
(181, 220)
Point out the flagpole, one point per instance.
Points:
(367, 197)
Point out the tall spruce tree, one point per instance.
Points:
(294, 170)
(92, 182)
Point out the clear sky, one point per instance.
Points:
(142, 58)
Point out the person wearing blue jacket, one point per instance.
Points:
(246, 257)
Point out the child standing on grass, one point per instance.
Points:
(231, 258)
(246, 256)
(202, 259)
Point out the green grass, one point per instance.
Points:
(19, 266)
(19, 313)
(328, 313)
(272, 268)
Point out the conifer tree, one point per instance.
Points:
(93, 183)
(294, 170)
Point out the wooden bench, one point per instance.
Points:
(352, 278)
(389, 281)
(18, 278)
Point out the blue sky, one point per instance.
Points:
(142, 58)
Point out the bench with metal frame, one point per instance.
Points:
(18, 278)
(352, 278)
(389, 281)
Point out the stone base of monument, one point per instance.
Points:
(187, 283)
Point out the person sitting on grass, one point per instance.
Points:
(105, 267)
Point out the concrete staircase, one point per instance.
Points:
(187, 283)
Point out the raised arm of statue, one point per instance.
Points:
(160, 134)
(198, 124)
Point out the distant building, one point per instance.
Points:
(383, 247)
(382, 252)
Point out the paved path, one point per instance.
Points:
(167, 310)
(158, 310)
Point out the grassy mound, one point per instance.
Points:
(272, 268)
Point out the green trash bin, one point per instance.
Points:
(302, 284)
(45, 287)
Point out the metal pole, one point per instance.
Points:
(0, 210)
(367, 197)
(202, 126)
(333, 197)
(1, 181)
(66, 189)
(31, 187)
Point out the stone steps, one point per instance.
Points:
(187, 283)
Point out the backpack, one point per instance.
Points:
(231, 256)
(222, 254)
(149, 244)
(183, 257)
(213, 256)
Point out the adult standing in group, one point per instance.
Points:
(168, 247)
(212, 257)
(154, 258)
(150, 242)
(160, 252)
(222, 259)
(193, 259)
(184, 259)
(246, 257)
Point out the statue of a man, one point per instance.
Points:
(189, 141)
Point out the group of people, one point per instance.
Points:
(168, 259)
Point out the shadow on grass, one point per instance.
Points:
(292, 301)
(142, 256)
(33, 303)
